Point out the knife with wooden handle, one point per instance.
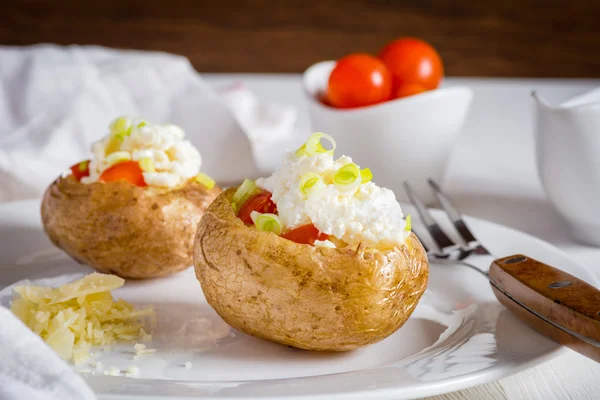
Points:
(555, 303)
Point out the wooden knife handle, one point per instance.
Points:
(553, 294)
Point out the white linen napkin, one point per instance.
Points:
(55, 101)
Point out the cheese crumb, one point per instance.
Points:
(140, 349)
(324, 243)
(81, 314)
(144, 336)
(188, 364)
(132, 370)
(113, 371)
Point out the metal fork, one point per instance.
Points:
(469, 251)
(558, 305)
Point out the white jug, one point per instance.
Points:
(568, 161)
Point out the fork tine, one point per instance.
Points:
(439, 237)
(452, 212)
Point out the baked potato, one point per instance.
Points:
(275, 286)
(123, 229)
(116, 222)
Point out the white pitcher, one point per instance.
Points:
(568, 161)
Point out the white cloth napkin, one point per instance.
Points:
(55, 101)
(31, 370)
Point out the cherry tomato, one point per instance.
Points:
(261, 203)
(412, 60)
(81, 169)
(323, 99)
(305, 234)
(129, 171)
(408, 90)
(359, 80)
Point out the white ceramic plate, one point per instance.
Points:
(459, 335)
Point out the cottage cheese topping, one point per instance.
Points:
(369, 214)
(174, 159)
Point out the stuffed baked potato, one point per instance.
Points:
(301, 275)
(133, 214)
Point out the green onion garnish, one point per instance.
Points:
(83, 166)
(121, 127)
(246, 190)
(301, 152)
(205, 180)
(267, 222)
(366, 175)
(147, 165)
(118, 157)
(347, 178)
(408, 226)
(310, 183)
(314, 146)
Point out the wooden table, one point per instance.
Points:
(528, 38)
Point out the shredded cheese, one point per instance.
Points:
(140, 350)
(81, 314)
(132, 370)
(113, 371)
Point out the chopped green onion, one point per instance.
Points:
(121, 127)
(205, 180)
(314, 146)
(246, 190)
(366, 175)
(267, 222)
(301, 152)
(83, 166)
(141, 124)
(147, 165)
(347, 178)
(311, 183)
(118, 157)
(114, 144)
(408, 226)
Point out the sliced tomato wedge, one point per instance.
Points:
(81, 169)
(261, 203)
(305, 234)
(129, 171)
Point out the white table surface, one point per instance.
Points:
(486, 185)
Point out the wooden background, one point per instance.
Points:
(476, 37)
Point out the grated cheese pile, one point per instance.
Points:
(81, 314)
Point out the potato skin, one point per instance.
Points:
(304, 296)
(120, 228)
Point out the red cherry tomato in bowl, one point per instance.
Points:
(305, 234)
(408, 90)
(129, 171)
(261, 203)
(358, 80)
(412, 60)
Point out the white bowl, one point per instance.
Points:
(405, 139)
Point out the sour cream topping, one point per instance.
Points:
(368, 214)
(174, 160)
